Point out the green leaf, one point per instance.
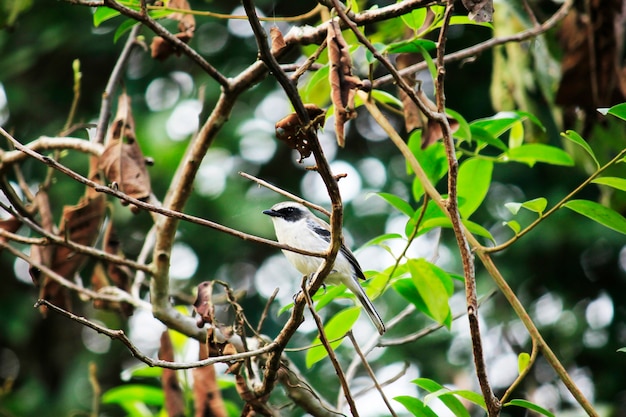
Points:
(615, 182)
(483, 136)
(415, 19)
(578, 140)
(599, 213)
(513, 225)
(538, 205)
(473, 183)
(623, 350)
(443, 394)
(516, 136)
(530, 406)
(383, 97)
(411, 46)
(406, 288)
(523, 360)
(428, 279)
(432, 159)
(369, 56)
(537, 152)
(102, 14)
(134, 392)
(324, 297)
(463, 20)
(337, 327)
(382, 238)
(317, 89)
(123, 28)
(415, 406)
(496, 125)
(474, 228)
(397, 203)
(463, 132)
(619, 111)
(471, 396)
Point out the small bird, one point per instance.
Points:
(297, 227)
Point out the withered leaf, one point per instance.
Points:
(10, 225)
(174, 399)
(120, 275)
(122, 160)
(479, 10)
(290, 129)
(162, 49)
(278, 42)
(412, 114)
(203, 304)
(431, 130)
(343, 84)
(207, 396)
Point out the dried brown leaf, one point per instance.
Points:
(479, 10)
(278, 42)
(431, 130)
(162, 49)
(174, 399)
(291, 130)
(413, 116)
(203, 304)
(122, 161)
(207, 396)
(10, 225)
(343, 84)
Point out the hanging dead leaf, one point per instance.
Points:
(412, 114)
(174, 399)
(278, 42)
(204, 304)
(431, 129)
(162, 49)
(10, 225)
(122, 161)
(343, 84)
(207, 396)
(291, 130)
(479, 10)
(42, 255)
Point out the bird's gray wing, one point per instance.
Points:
(325, 234)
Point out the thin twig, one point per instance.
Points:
(370, 372)
(114, 80)
(285, 193)
(121, 336)
(347, 394)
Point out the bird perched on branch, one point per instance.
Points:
(297, 227)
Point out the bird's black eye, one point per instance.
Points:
(291, 213)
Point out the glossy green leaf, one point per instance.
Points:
(619, 111)
(397, 203)
(323, 297)
(439, 391)
(473, 183)
(474, 228)
(432, 212)
(483, 136)
(415, 406)
(516, 135)
(382, 238)
(337, 327)
(623, 350)
(415, 19)
(317, 89)
(134, 392)
(513, 225)
(578, 140)
(383, 97)
(614, 182)
(496, 125)
(523, 360)
(537, 205)
(126, 26)
(411, 46)
(470, 396)
(599, 213)
(463, 20)
(530, 406)
(428, 279)
(102, 14)
(536, 152)
(432, 160)
(406, 288)
(464, 132)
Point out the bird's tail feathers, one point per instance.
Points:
(369, 308)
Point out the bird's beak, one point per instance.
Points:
(271, 213)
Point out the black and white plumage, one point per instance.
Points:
(297, 227)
